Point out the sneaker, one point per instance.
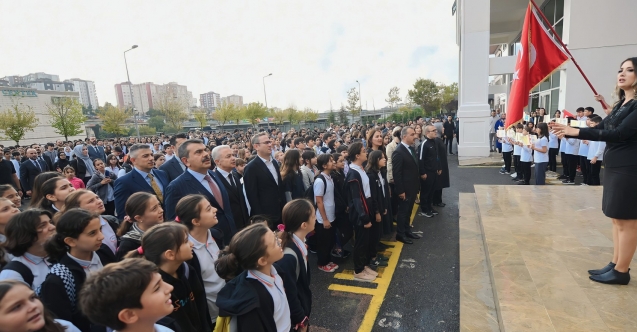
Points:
(364, 276)
(370, 271)
(503, 171)
(326, 268)
(567, 182)
(377, 262)
(514, 174)
(332, 265)
(434, 212)
(338, 253)
(425, 214)
(533, 165)
(562, 177)
(506, 172)
(382, 258)
(583, 184)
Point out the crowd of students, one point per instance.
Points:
(534, 147)
(74, 260)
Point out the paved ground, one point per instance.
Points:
(423, 292)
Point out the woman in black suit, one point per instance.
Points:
(619, 131)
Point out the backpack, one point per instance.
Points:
(309, 193)
(22, 269)
(289, 250)
(67, 278)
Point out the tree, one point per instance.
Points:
(309, 115)
(153, 112)
(292, 115)
(157, 122)
(113, 119)
(426, 93)
(393, 97)
(201, 116)
(17, 120)
(353, 105)
(238, 114)
(143, 131)
(331, 118)
(66, 116)
(342, 116)
(278, 115)
(254, 112)
(449, 95)
(174, 109)
(224, 113)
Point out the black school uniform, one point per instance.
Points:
(378, 206)
(297, 291)
(189, 300)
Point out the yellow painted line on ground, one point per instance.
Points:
(383, 281)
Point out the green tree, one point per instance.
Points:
(278, 115)
(143, 131)
(224, 113)
(201, 116)
(238, 114)
(331, 117)
(153, 112)
(292, 115)
(449, 97)
(393, 97)
(426, 93)
(309, 115)
(17, 120)
(255, 112)
(157, 122)
(353, 105)
(113, 119)
(66, 116)
(342, 116)
(174, 109)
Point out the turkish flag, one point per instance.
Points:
(539, 56)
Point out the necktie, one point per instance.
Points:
(413, 152)
(155, 187)
(37, 164)
(215, 190)
(231, 180)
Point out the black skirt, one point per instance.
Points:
(618, 200)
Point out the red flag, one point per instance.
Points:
(537, 58)
(567, 114)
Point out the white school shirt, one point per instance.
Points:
(517, 150)
(506, 146)
(300, 243)
(328, 198)
(110, 239)
(572, 146)
(38, 265)
(274, 284)
(207, 254)
(92, 266)
(527, 154)
(596, 149)
(583, 148)
(538, 156)
(364, 177)
(553, 141)
(562, 144)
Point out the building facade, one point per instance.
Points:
(146, 96)
(233, 99)
(488, 35)
(38, 101)
(86, 89)
(210, 100)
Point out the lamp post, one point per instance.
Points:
(130, 87)
(360, 100)
(266, 99)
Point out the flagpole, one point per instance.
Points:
(547, 23)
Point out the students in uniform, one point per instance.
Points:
(595, 154)
(325, 213)
(143, 211)
(541, 153)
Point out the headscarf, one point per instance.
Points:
(77, 151)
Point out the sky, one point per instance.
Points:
(315, 50)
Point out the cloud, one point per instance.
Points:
(420, 54)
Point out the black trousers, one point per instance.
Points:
(449, 142)
(553, 159)
(404, 214)
(110, 208)
(344, 229)
(564, 164)
(585, 167)
(572, 166)
(374, 237)
(516, 164)
(394, 200)
(361, 248)
(593, 176)
(324, 243)
(526, 169)
(437, 196)
(427, 188)
(507, 160)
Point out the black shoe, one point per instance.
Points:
(568, 182)
(404, 240)
(612, 277)
(522, 183)
(440, 204)
(426, 214)
(413, 236)
(562, 177)
(603, 270)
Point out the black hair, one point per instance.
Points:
(593, 118)
(159, 238)
(307, 156)
(244, 251)
(48, 188)
(36, 194)
(322, 161)
(4, 188)
(590, 109)
(298, 141)
(188, 209)
(173, 139)
(372, 160)
(544, 129)
(98, 159)
(354, 150)
(71, 224)
(309, 138)
(294, 214)
(22, 230)
(341, 148)
(136, 205)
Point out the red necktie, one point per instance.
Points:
(215, 190)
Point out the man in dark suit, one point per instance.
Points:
(29, 169)
(262, 180)
(226, 162)
(94, 151)
(142, 178)
(197, 179)
(450, 132)
(406, 181)
(175, 167)
(429, 165)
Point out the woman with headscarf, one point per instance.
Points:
(82, 164)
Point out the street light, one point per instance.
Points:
(130, 87)
(266, 99)
(360, 100)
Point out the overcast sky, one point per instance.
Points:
(316, 50)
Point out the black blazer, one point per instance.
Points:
(405, 172)
(131, 183)
(450, 129)
(265, 196)
(95, 152)
(79, 166)
(237, 200)
(187, 184)
(379, 203)
(172, 168)
(28, 172)
(297, 291)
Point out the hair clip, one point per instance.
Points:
(177, 219)
(140, 250)
(281, 228)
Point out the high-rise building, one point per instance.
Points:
(88, 95)
(45, 84)
(40, 76)
(210, 100)
(233, 99)
(149, 95)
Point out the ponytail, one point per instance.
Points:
(244, 251)
(159, 238)
(135, 206)
(294, 214)
(70, 224)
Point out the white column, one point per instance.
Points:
(473, 87)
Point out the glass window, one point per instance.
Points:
(559, 27)
(546, 84)
(559, 10)
(555, 79)
(555, 101)
(534, 101)
(549, 11)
